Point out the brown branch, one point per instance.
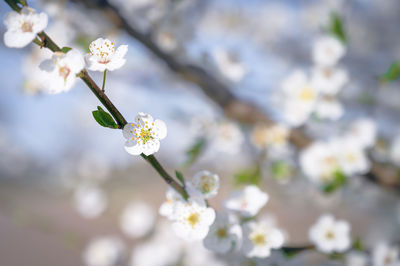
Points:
(233, 107)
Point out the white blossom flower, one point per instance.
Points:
(260, 237)
(103, 56)
(22, 27)
(144, 135)
(247, 202)
(385, 255)
(228, 138)
(137, 220)
(192, 220)
(328, 107)
(330, 235)
(274, 137)
(62, 70)
(207, 183)
(319, 162)
(299, 98)
(223, 234)
(329, 80)
(395, 151)
(327, 51)
(229, 65)
(90, 201)
(356, 258)
(167, 208)
(352, 158)
(363, 131)
(104, 251)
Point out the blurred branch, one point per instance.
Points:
(233, 107)
(47, 42)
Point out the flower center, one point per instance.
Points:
(146, 135)
(222, 233)
(64, 72)
(193, 219)
(259, 239)
(27, 27)
(306, 94)
(329, 235)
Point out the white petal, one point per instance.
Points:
(133, 149)
(16, 39)
(161, 128)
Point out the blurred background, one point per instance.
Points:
(65, 181)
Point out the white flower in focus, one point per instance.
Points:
(62, 70)
(247, 202)
(260, 237)
(327, 51)
(329, 80)
(207, 183)
(90, 201)
(223, 234)
(385, 255)
(103, 56)
(144, 135)
(104, 251)
(137, 220)
(363, 131)
(319, 162)
(328, 108)
(23, 27)
(299, 98)
(229, 65)
(228, 138)
(192, 220)
(330, 235)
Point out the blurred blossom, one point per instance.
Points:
(364, 132)
(104, 251)
(22, 27)
(166, 41)
(224, 234)
(327, 51)
(260, 237)
(274, 137)
(247, 201)
(227, 138)
(138, 219)
(385, 255)
(299, 98)
(229, 64)
(356, 258)
(35, 78)
(330, 235)
(329, 80)
(328, 108)
(61, 70)
(90, 201)
(395, 151)
(207, 183)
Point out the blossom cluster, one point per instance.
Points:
(304, 95)
(59, 73)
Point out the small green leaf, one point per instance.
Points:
(65, 49)
(339, 180)
(180, 177)
(194, 151)
(336, 27)
(281, 170)
(392, 73)
(358, 245)
(104, 118)
(248, 176)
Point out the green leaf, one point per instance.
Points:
(358, 245)
(104, 118)
(83, 41)
(281, 170)
(339, 180)
(180, 177)
(248, 176)
(194, 151)
(392, 73)
(336, 27)
(65, 49)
